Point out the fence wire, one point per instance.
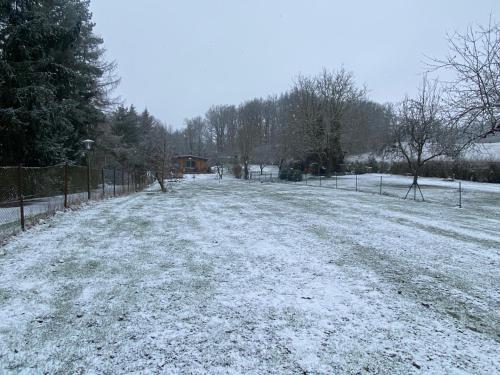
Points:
(444, 192)
(30, 194)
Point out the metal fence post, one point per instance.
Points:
(88, 175)
(66, 185)
(319, 180)
(356, 174)
(336, 181)
(114, 182)
(380, 185)
(128, 181)
(460, 194)
(20, 193)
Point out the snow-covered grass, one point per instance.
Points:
(475, 196)
(41, 207)
(236, 277)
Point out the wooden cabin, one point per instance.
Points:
(191, 164)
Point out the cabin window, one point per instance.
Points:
(190, 164)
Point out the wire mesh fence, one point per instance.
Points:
(28, 194)
(445, 192)
(262, 176)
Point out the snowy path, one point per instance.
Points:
(236, 277)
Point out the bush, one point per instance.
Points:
(291, 174)
(359, 167)
(237, 170)
(283, 174)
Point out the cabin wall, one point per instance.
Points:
(201, 166)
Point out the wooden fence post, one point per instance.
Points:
(103, 183)
(66, 185)
(114, 182)
(460, 194)
(20, 193)
(123, 183)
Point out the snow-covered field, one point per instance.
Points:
(238, 277)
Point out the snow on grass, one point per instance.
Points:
(234, 277)
(484, 197)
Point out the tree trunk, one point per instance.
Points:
(161, 182)
(328, 171)
(415, 177)
(245, 164)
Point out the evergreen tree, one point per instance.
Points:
(52, 86)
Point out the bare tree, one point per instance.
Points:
(159, 153)
(474, 91)
(421, 131)
(263, 156)
(337, 91)
(195, 135)
(319, 113)
(305, 132)
(249, 123)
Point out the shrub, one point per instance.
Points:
(290, 174)
(283, 174)
(295, 175)
(359, 167)
(373, 165)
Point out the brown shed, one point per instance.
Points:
(191, 164)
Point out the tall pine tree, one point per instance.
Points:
(53, 80)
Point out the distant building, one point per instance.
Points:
(191, 164)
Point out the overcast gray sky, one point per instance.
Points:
(177, 58)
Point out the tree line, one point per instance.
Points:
(324, 117)
(321, 118)
(56, 90)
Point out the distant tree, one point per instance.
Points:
(195, 134)
(249, 123)
(159, 153)
(319, 112)
(337, 92)
(264, 155)
(366, 127)
(306, 133)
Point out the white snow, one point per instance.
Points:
(479, 152)
(236, 277)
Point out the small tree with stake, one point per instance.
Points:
(421, 131)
